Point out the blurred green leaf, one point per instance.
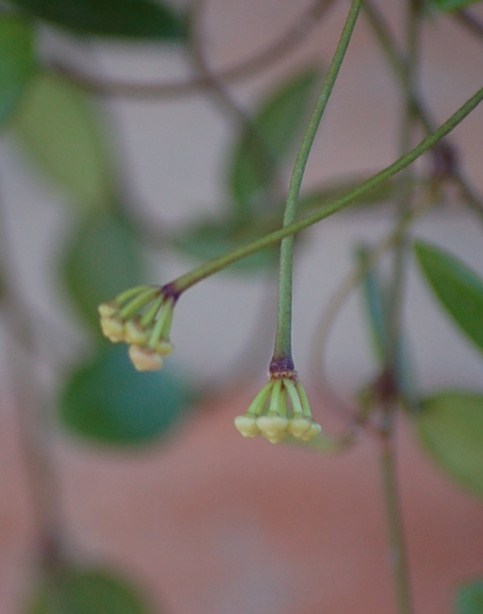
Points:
(61, 134)
(456, 286)
(470, 598)
(17, 64)
(212, 238)
(143, 19)
(374, 292)
(452, 5)
(334, 189)
(450, 428)
(375, 304)
(100, 260)
(108, 401)
(87, 591)
(277, 124)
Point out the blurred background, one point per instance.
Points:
(198, 519)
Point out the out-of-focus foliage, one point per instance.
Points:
(17, 64)
(450, 428)
(139, 19)
(458, 288)
(470, 598)
(106, 401)
(61, 135)
(101, 258)
(87, 591)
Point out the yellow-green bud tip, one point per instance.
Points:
(145, 359)
(112, 328)
(247, 426)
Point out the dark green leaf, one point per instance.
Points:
(62, 136)
(210, 239)
(450, 427)
(277, 124)
(452, 5)
(143, 19)
(108, 401)
(17, 64)
(87, 591)
(457, 287)
(470, 598)
(101, 260)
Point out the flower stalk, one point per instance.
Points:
(215, 265)
(142, 317)
(281, 409)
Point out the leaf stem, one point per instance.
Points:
(215, 265)
(284, 323)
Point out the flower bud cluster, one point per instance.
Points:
(141, 317)
(280, 409)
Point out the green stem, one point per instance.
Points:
(403, 203)
(397, 63)
(211, 267)
(396, 302)
(283, 337)
(395, 523)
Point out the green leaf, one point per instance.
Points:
(18, 62)
(456, 286)
(470, 598)
(87, 591)
(107, 401)
(61, 134)
(144, 19)
(452, 5)
(277, 124)
(450, 428)
(209, 239)
(100, 260)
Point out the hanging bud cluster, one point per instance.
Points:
(141, 317)
(280, 409)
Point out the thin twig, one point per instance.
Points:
(471, 22)
(397, 63)
(281, 47)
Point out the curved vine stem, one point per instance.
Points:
(182, 283)
(274, 52)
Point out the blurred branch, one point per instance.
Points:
(261, 151)
(444, 154)
(274, 52)
(340, 297)
(471, 22)
(32, 416)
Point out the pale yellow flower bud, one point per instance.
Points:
(145, 359)
(164, 347)
(106, 310)
(272, 426)
(247, 426)
(135, 333)
(299, 426)
(113, 328)
(314, 430)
